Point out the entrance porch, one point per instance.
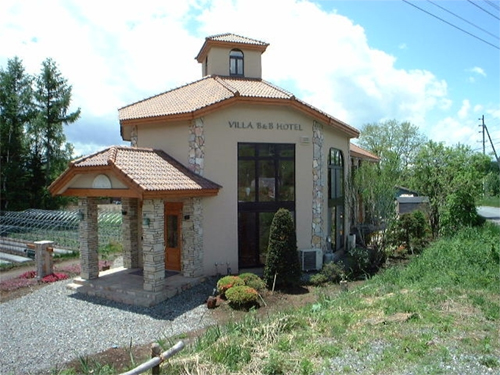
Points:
(162, 216)
(125, 285)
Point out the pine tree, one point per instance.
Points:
(282, 255)
(16, 111)
(48, 148)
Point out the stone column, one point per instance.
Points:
(130, 233)
(318, 237)
(196, 142)
(192, 238)
(89, 240)
(153, 244)
(43, 258)
(134, 139)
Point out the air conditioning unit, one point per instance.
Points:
(311, 259)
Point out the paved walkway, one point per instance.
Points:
(490, 213)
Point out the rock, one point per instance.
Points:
(212, 302)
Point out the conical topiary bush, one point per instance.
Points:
(282, 256)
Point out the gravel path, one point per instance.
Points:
(54, 325)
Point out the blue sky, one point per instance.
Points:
(360, 61)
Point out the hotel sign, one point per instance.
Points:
(264, 125)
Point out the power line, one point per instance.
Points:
(463, 19)
(456, 27)
(490, 3)
(484, 10)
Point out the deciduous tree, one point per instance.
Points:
(396, 143)
(452, 179)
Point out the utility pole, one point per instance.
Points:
(485, 130)
(484, 141)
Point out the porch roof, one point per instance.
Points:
(145, 173)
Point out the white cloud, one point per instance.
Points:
(464, 110)
(116, 53)
(478, 70)
(403, 46)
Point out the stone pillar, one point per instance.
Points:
(153, 244)
(192, 238)
(130, 233)
(196, 159)
(318, 201)
(89, 240)
(43, 258)
(134, 139)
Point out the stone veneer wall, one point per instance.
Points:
(89, 240)
(318, 238)
(192, 238)
(130, 232)
(153, 245)
(133, 137)
(192, 229)
(197, 146)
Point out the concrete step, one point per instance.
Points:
(14, 258)
(4, 262)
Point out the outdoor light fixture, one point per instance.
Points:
(124, 212)
(80, 215)
(145, 221)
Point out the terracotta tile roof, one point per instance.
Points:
(211, 90)
(361, 153)
(233, 38)
(149, 169)
(184, 99)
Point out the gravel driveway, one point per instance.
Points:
(54, 325)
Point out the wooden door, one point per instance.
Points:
(173, 235)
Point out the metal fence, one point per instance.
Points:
(59, 226)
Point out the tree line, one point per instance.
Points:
(33, 147)
(454, 178)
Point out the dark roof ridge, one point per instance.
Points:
(226, 85)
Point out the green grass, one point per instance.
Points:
(444, 304)
(490, 201)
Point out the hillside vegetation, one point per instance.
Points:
(439, 314)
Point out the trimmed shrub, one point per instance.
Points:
(227, 282)
(410, 232)
(282, 255)
(330, 273)
(242, 296)
(253, 281)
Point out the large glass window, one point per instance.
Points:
(266, 182)
(335, 174)
(236, 62)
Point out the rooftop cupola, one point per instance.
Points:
(231, 55)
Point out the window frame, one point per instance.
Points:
(236, 56)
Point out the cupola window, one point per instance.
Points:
(236, 63)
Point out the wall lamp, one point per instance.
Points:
(145, 221)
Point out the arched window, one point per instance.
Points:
(236, 63)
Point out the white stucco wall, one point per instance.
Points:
(223, 130)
